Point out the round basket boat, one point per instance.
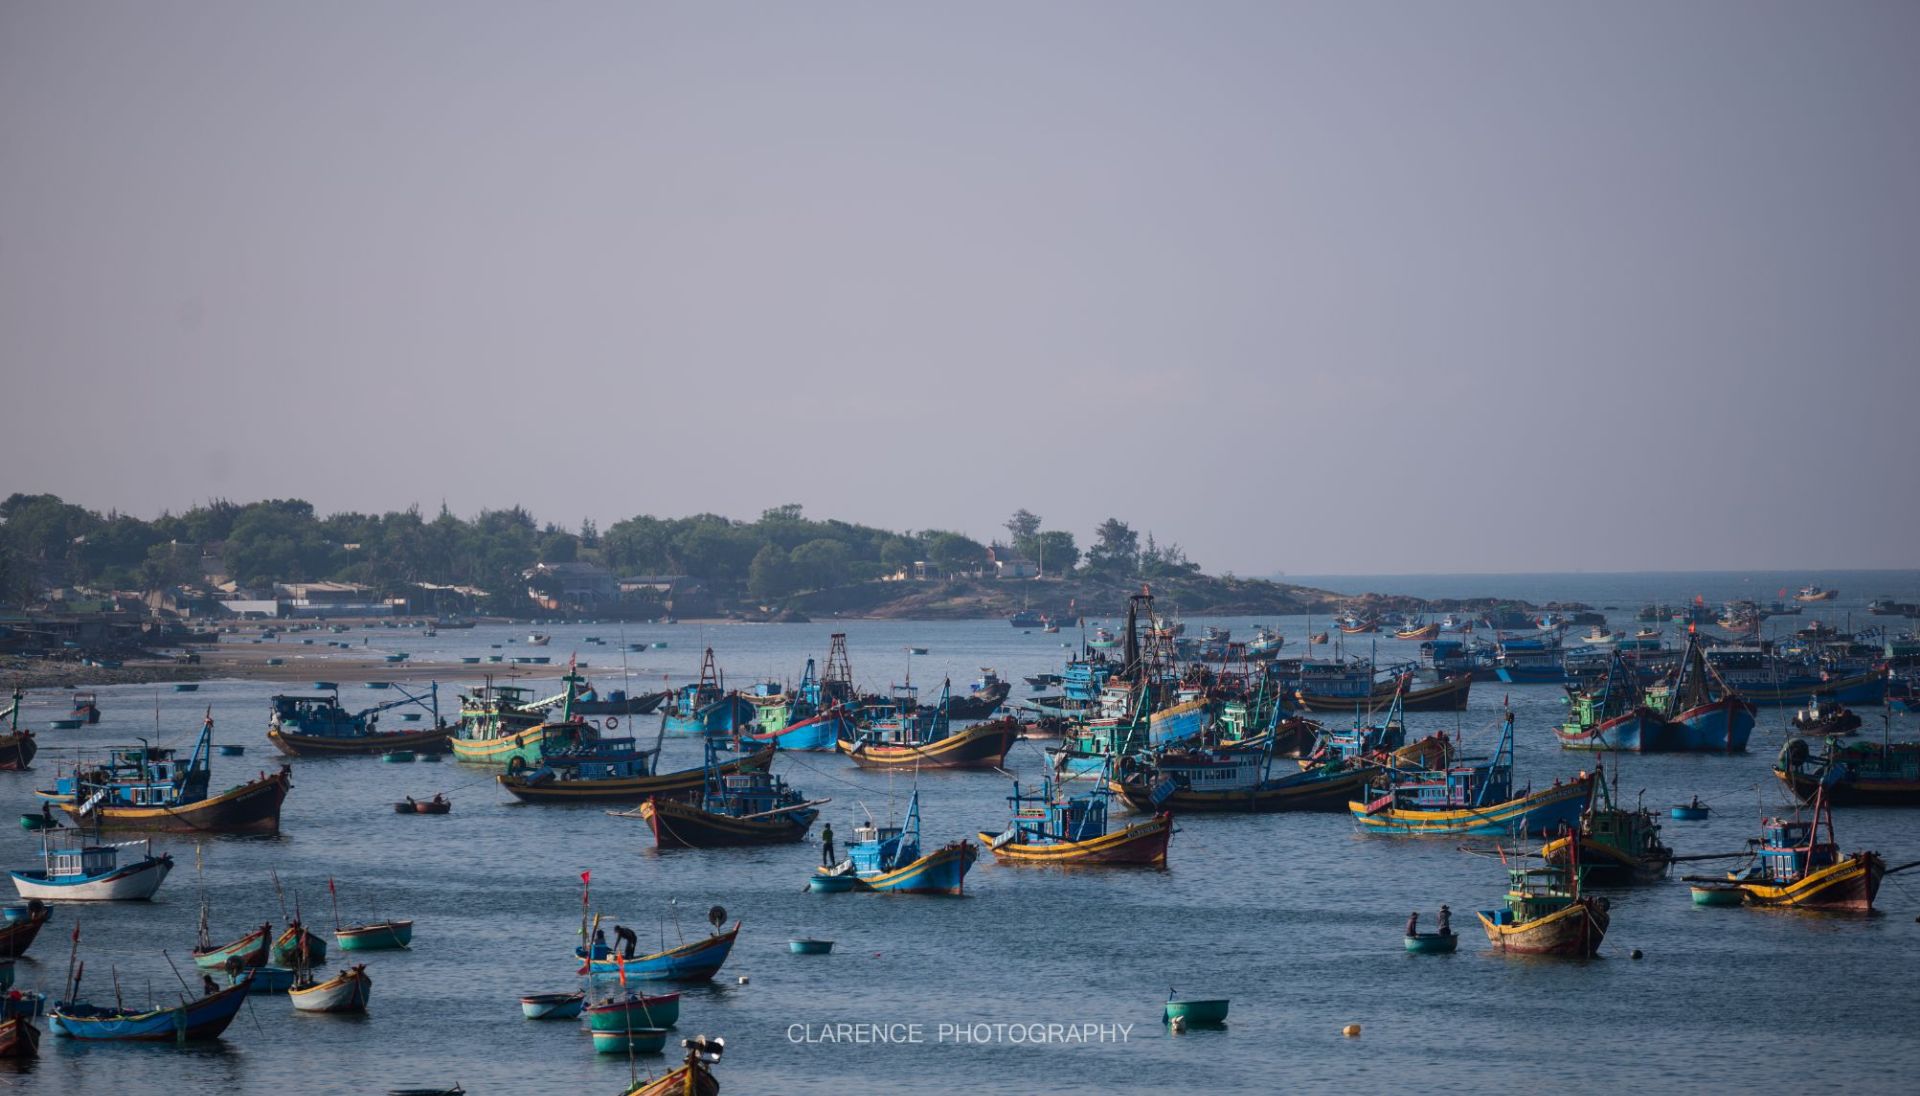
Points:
(1718, 894)
(832, 884)
(810, 947)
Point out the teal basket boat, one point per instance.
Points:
(810, 947)
(1718, 894)
(1197, 1013)
(631, 1041)
(1432, 943)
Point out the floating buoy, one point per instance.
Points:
(1178, 1024)
(743, 979)
(1351, 1031)
(1635, 953)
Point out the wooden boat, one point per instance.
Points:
(17, 747)
(503, 723)
(347, 991)
(1610, 715)
(552, 1006)
(698, 961)
(1718, 894)
(1430, 630)
(1470, 798)
(745, 808)
(1545, 914)
(1354, 627)
(618, 703)
(614, 771)
(266, 980)
(19, 1038)
(317, 726)
(249, 951)
(1050, 828)
(1797, 869)
(887, 858)
(1196, 1012)
(693, 1077)
(1448, 695)
(981, 746)
(286, 950)
(986, 697)
(1617, 846)
(1704, 713)
(75, 870)
(151, 789)
(17, 934)
(205, 1018)
(1239, 781)
(1825, 719)
(375, 936)
(1857, 774)
(1815, 593)
(86, 708)
(634, 1010)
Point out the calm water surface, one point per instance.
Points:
(1294, 917)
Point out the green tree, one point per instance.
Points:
(820, 564)
(1116, 549)
(952, 552)
(769, 576)
(1055, 552)
(1023, 532)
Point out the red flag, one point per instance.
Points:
(623, 974)
(76, 932)
(330, 889)
(1783, 591)
(586, 877)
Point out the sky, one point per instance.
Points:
(1341, 287)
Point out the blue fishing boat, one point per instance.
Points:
(1052, 828)
(1471, 797)
(698, 961)
(1531, 660)
(1703, 710)
(888, 858)
(205, 1018)
(152, 788)
(1611, 715)
(737, 808)
(705, 707)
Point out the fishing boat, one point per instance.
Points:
(17, 747)
(914, 743)
(1429, 630)
(1815, 593)
(1617, 846)
(618, 703)
(287, 950)
(634, 1010)
(1695, 811)
(1825, 719)
(552, 1006)
(1471, 797)
(1796, 868)
(317, 726)
(494, 726)
(347, 991)
(375, 936)
(17, 933)
(1355, 626)
(1854, 774)
(693, 1077)
(706, 707)
(266, 980)
(741, 808)
(86, 708)
(1530, 659)
(1546, 914)
(151, 788)
(1026, 618)
(1048, 827)
(616, 770)
(19, 1038)
(822, 731)
(1610, 715)
(1103, 640)
(201, 1019)
(1704, 713)
(984, 698)
(248, 951)
(697, 961)
(888, 858)
(1341, 686)
(538, 639)
(75, 869)
(1599, 636)
(1235, 780)
(1767, 677)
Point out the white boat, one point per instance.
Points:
(76, 871)
(347, 991)
(538, 639)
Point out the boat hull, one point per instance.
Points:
(133, 883)
(1538, 814)
(1603, 865)
(634, 1010)
(378, 936)
(198, 1020)
(981, 746)
(1141, 844)
(1575, 931)
(942, 871)
(695, 962)
(1449, 695)
(17, 751)
(19, 1038)
(1849, 886)
(822, 732)
(348, 991)
(552, 1006)
(1854, 791)
(253, 808)
(17, 936)
(678, 825)
(294, 744)
(1432, 943)
(1723, 726)
(250, 951)
(626, 789)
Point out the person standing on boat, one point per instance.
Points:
(826, 845)
(1413, 923)
(1446, 921)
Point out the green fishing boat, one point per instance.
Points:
(1195, 1013)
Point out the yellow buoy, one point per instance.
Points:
(1351, 1031)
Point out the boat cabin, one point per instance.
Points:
(1789, 852)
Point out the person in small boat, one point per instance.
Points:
(439, 798)
(826, 845)
(208, 985)
(1413, 923)
(625, 937)
(1446, 921)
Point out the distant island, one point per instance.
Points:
(279, 558)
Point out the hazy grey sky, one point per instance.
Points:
(1315, 287)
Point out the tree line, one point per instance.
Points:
(46, 541)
